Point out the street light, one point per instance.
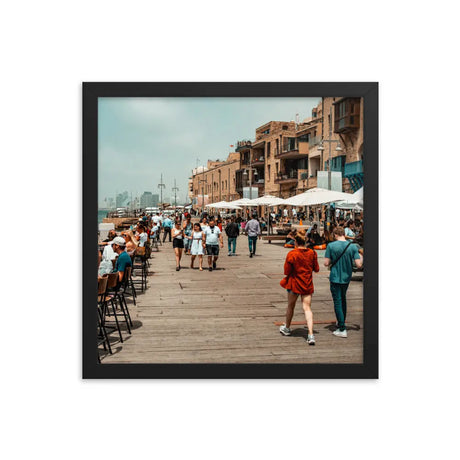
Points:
(337, 149)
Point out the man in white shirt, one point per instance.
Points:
(212, 236)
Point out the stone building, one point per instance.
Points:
(340, 120)
(286, 157)
(216, 181)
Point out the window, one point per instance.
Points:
(302, 164)
(285, 127)
(268, 149)
(304, 138)
(268, 179)
(267, 131)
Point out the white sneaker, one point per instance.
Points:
(311, 339)
(285, 330)
(339, 333)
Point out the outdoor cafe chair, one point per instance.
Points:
(118, 297)
(102, 337)
(111, 285)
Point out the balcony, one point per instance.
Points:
(355, 174)
(243, 145)
(258, 161)
(353, 168)
(290, 151)
(286, 177)
(346, 115)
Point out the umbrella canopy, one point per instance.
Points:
(317, 196)
(216, 205)
(354, 199)
(244, 202)
(222, 205)
(268, 200)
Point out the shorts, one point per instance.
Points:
(178, 243)
(212, 249)
(291, 292)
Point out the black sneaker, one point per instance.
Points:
(214, 265)
(250, 255)
(210, 269)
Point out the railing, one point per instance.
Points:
(243, 143)
(289, 175)
(258, 160)
(356, 167)
(314, 141)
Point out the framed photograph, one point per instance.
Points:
(230, 230)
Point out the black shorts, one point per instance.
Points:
(178, 243)
(212, 249)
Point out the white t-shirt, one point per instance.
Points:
(142, 239)
(349, 232)
(212, 235)
(156, 219)
(285, 213)
(109, 253)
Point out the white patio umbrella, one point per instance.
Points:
(268, 200)
(216, 205)
(316, 196)
(354, 199)
(222, 205)
(244, 202)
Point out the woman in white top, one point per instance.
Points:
(178, 242)
(142, 236)
(204, 224)
(197, 245)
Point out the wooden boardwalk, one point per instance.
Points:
(229, 315)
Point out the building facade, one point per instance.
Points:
(285, 158)
(215, 182)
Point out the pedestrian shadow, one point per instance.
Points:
(302, 332)
(350, 327)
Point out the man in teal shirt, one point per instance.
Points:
(167, 226)
(123, 260)
(340, 256)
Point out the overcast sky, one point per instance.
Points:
(140, 138)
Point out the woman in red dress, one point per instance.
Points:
(299, 266)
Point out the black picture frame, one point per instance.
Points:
(91, 369)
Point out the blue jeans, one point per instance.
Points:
(232, 244)
(252, 240)
(339, 293)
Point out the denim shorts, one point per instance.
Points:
(291, 292)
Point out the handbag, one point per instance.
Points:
(338, 258)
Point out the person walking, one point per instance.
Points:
(232, 230)
(167, 226)
(178, 242)
(252, 229)
(212, 236)
(188, 229)
(299, 266)
(339, 258)
(197, 246)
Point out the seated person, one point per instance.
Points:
(141, 235)
(290, 237)
(123, 259)
(314, 238)
(130, 245)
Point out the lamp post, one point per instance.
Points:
(175, 189)
(330, 141)
(161, 186)
(250, 175)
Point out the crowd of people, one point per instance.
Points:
(342, 241)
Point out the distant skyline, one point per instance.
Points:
(142, 138)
